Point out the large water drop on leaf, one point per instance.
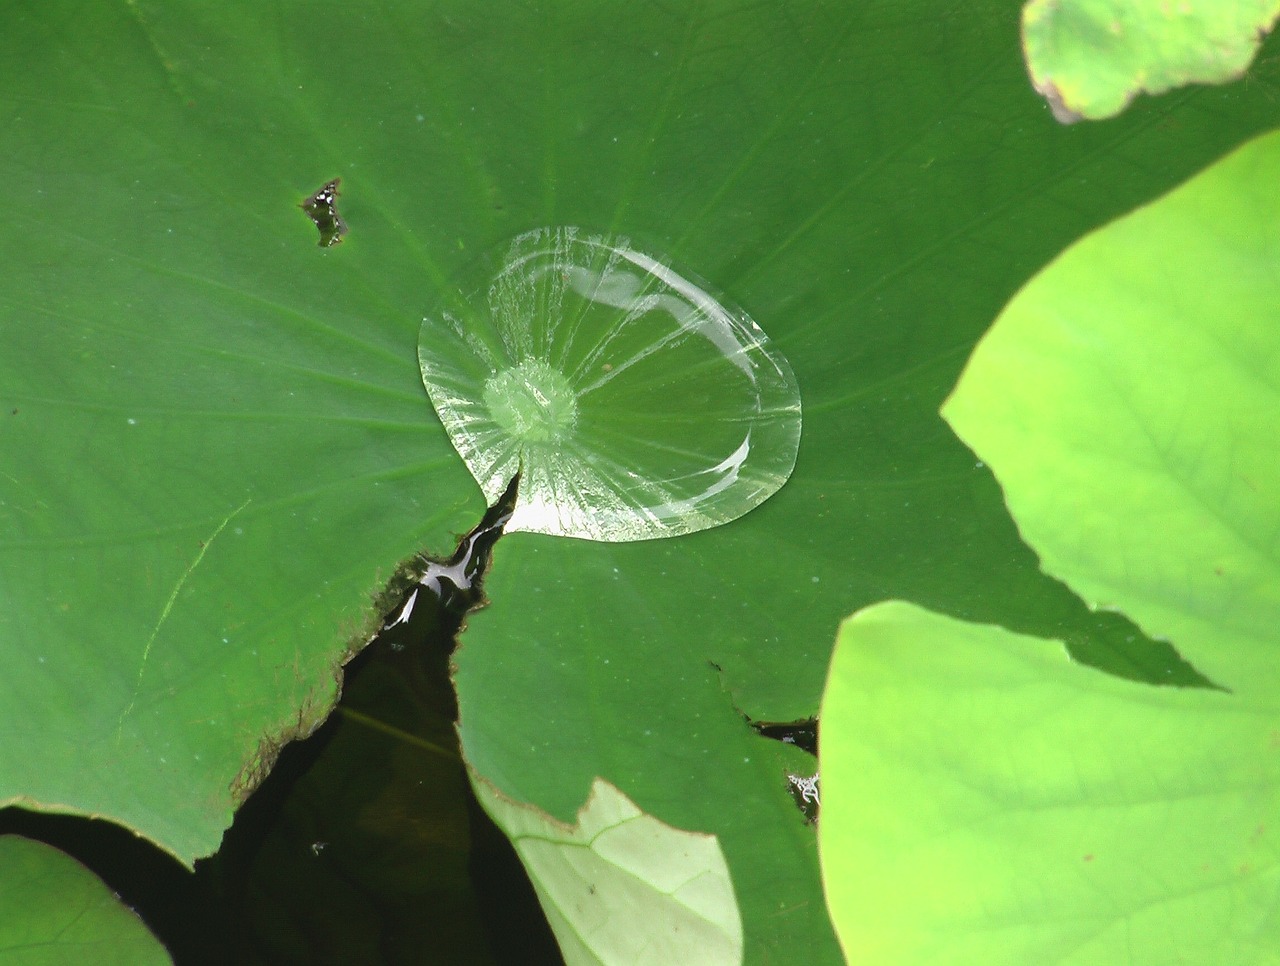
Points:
(634, 404)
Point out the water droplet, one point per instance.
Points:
(634, 403)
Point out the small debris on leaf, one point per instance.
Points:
(805, 790)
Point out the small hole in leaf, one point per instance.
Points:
(322, 208)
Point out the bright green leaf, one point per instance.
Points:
(987, 800)
(55, 912)
(1090, 58)
(1128, 400)
(620, 887)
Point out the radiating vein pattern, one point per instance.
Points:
(635, 404)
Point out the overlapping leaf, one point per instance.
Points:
(621, 887)
(54, 911)
(986, 799)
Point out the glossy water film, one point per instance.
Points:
(634, 404)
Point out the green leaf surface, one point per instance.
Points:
(215, 443)
(987, 800)
(54, 911)
(621, 887)
(875, 245)
(1090, 58)
(1128, 400)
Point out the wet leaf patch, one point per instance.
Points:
(633, 402)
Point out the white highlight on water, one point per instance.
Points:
(635, 403)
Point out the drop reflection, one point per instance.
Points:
(634, 403)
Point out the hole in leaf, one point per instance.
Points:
(802, 734)
(322, 209)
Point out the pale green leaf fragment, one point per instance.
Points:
(1090, 58)
(621, 887)
(54, 912)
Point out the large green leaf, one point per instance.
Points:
(216, 444)
(898, 235)
(54, 911)
(215, 438)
